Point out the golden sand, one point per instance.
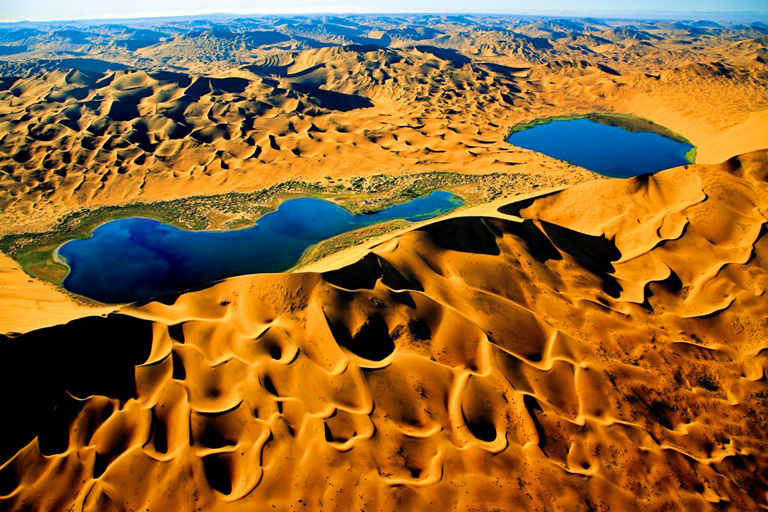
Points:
(75, 139)
(601, 346)
(605, 353)
(27, 304)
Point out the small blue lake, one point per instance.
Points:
(608, 150)
(133, 259)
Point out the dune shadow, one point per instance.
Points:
(362, 274)
(372, 340)
(595, 253)
(516, 207)
(88, 64)
(332, 100)
(263, 37)
(539, 246)
(463, 234)
(38, 371)
(452, 56)
(205, 85)
(500, 69)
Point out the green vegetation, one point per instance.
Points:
(519, 127)
(691, 155)
(35, 252)
(626, 121)
(40, 262)
(345, 240)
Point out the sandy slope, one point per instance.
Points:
(606, 353)
(71, 139)
(27, 303)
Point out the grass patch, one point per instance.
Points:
(35, 251)
(41, 263)
(346, 240)
(691, 155)
(527, 125)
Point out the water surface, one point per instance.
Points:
(608, 150)
(133, 259)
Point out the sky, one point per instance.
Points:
(48, 10)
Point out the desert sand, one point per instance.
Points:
(208, 107)
(567, 343)
(29, 303)
(95, 116)
(557, 353)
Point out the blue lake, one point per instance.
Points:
(134, 259)
(608, 150)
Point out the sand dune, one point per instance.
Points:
(176, 110)
(29, 304)
(117, 137)
(600, 346)
(606, 354)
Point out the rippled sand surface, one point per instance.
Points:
(603, 347)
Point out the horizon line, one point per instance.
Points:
(604, 13)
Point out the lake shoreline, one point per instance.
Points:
(628, 122)
(35, 251)
(137, 258)
(613, 145)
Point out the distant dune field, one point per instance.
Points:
(206, 107)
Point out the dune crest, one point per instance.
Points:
(218, 106)
(608, 354)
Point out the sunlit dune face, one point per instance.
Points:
(587, 355)
(560, 341)
(108, 114)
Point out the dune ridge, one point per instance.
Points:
(557, 353)
(175, 111)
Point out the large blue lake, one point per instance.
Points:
(133, 259)
(608, 150)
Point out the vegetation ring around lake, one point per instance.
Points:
(615, 145)
(135, 259)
